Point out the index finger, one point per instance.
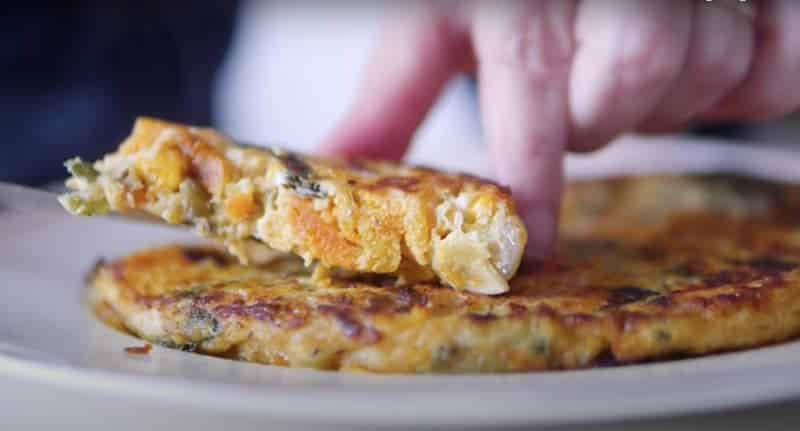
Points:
(523, 51)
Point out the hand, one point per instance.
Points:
(557, 75)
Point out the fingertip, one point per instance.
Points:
(524, 55)
(541, 225)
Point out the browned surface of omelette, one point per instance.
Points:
(375, 217)
(646, 268)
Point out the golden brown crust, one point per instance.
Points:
(634, 279)
(362, 216)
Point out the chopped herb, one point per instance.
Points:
(623, 295)
(540, 345)
(299, 175)
(663, 336)
(200, 326)
(304, 187)
(186, 347)
(193, 291)
(294, 164)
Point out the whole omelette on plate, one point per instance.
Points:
(646, 268)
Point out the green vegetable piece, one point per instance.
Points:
(81, 169)
(74, 204)
(197, 199)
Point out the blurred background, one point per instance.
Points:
(75, 76)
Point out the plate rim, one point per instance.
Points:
(324, 406)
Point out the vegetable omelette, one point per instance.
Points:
(646, 268)
(373, 217)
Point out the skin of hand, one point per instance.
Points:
(570, 75)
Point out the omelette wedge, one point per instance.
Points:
(360, 217)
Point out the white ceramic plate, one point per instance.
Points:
(47, 335)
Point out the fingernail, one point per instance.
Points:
(541, 226)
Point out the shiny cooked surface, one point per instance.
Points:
(363, 216)
(647, 268)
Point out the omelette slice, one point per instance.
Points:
(363, 217)
(646, 269)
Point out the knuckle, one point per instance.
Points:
(527, 51)
(649, 65)
(721, 64)
(537, 41)
(720, 71)
(652, 54)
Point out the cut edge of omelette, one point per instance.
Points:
(363, 217)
